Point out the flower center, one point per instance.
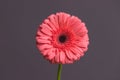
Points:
(62, 38)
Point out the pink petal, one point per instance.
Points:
(57, 22)
(45, 52)
(60, 19)
(47, 21)
(84, 38)
(72, 55)
(68, 61)
(53, 60)
(62, 57)
(44, 39)
(51, 53)
(65, 17)
(81, 52)
(44, 46)
(76, 52)
(41, 34)
(47, 26)
(46, 31)
(83, 44)
(73, 21)
(83, 28)
(68, 54)
(57, 57)
(53, 21)
(39, 40)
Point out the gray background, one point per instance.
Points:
(20, 59)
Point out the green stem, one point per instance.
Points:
(59, 71)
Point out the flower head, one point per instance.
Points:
(62, 38)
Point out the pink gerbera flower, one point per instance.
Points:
(62, 38)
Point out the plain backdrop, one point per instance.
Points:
(21, 60)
